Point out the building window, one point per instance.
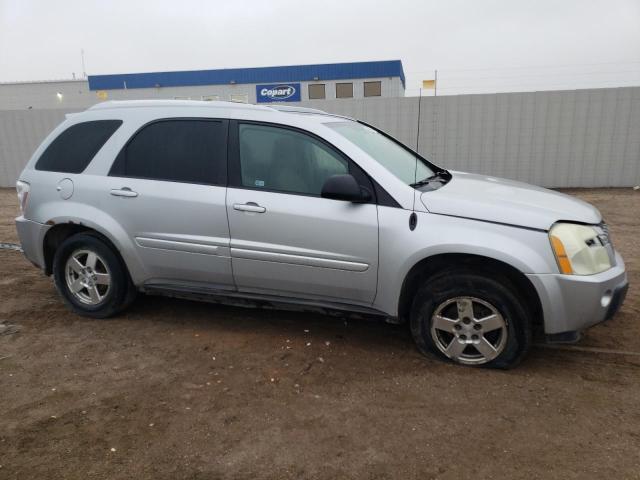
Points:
(373, 89)
(239, 97)
(344, 90)
(316, 91)
(210, 98)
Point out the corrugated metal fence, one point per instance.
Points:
(579, 138)
(21, 131)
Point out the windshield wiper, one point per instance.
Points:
(440, 175)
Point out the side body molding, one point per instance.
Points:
(299, 260)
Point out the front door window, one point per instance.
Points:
(283, 160)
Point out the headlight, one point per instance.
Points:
(579, 249)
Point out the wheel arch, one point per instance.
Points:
(60, 232)
(428, 266)
(70, 217)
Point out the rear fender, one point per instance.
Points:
(96, 219)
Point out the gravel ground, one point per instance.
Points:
(181, 390)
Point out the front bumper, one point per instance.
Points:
(31, 236)
(572, 303)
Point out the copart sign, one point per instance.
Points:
(278, 92)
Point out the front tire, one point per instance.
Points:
(91, 278)
(471, 319)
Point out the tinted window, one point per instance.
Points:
(192, 151)
(73, 149)
(285, 160)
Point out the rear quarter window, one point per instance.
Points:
(73, 149)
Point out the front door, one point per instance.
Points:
(285, 238)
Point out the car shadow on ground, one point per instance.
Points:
(367, 335)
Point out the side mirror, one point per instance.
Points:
(344, 187)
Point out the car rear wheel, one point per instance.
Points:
(91, 277)
(470, 319)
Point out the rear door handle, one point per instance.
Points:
(124, 192)
(249, 207)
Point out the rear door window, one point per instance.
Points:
(181, 150)
(73, 149)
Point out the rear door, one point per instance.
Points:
(285, 238)
(167, 189)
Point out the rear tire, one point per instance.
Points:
(91, 277)
(468, 318)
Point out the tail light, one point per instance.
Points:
(23, 194)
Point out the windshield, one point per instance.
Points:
(388, 153)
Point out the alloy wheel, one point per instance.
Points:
(469, 330)
(88, 277)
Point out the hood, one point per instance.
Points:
(506, 201)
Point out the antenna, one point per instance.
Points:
(418, 129)
(415, 170)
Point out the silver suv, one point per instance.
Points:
(290, 206)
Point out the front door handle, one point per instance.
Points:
(124, 192)
(249, 207)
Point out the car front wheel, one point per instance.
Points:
(470, 319)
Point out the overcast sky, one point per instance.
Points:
(476, 45)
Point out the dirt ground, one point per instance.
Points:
(181, 390)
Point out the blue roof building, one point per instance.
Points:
(267, 84)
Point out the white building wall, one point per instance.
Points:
(75, 94)
(20, 134)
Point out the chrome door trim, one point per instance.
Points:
(179, 246)
(299, 260)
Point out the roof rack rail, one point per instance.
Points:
(174, 103)
(287, 108)
(313, 111)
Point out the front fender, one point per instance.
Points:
(527, 250)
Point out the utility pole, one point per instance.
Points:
(84, 70)
(435, 84)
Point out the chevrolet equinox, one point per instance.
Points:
(292, 206)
